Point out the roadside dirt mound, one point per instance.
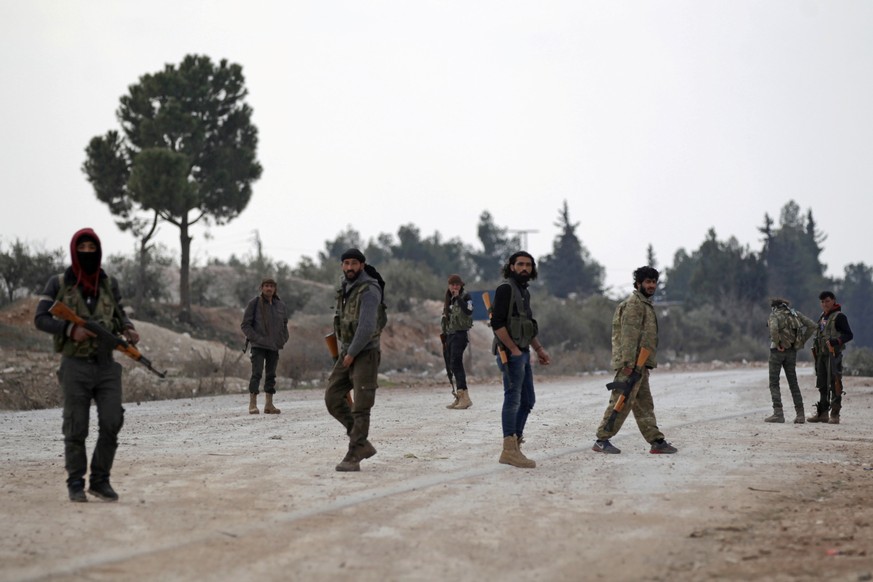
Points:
(198, 364)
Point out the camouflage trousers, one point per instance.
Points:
(640, 403)
(785, 360)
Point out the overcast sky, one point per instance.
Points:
(654, 120)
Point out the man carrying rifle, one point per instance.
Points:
(634, 328)
(87, 370)
(515, 332)
(833, 333)
(456, 320)
(359, 319)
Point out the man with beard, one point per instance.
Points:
(265, 325)
(358, 323)
(515, 332)
(832, 334)
(635, 326)
(87, 370)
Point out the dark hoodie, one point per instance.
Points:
(86, 275)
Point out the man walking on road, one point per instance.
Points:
(789, 330)
(832, 334)
(358, 322)
(515, 332)
(635, 326)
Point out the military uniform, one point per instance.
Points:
(87, 371)
(634, 326)
(358, 322)
(789, 331)
(833, 328)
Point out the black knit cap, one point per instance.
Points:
(353, 254)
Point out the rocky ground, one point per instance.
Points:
(209, 492)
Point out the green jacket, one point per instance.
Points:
(458, 316)
(789, 329)
(634, 326)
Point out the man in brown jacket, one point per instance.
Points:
(265, 325)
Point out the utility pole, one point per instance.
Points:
(522, 235)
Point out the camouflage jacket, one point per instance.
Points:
(634, 326)
(789, 329)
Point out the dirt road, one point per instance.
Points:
(211, 493)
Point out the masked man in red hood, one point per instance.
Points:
(87, 370)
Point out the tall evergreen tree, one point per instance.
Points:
(570, 269)
(856, 295)
(497, 246)
(188, 151)
(791, 253)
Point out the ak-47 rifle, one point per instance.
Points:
(62, 311)
(449, 372)
(486, 298)
(626, 387)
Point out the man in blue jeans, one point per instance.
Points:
(515, 332)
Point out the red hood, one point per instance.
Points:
(87, 282)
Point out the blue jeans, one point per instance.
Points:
(518, 393)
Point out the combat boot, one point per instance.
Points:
(777, 416)
(821, 414)
(801, 417)
(268, 405)
(464, 401)
(512, 456)
(835, 414)
(351, 462)
(453, 404)
(253, 403)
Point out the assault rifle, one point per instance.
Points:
(486, 298)
(448, 364)
(626, 387)
(62, 311)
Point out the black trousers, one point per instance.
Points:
(264, 362)
(83, 380)
(456, 343)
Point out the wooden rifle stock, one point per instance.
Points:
(62, 311)
(333, 349)
(626, 387)
(486, 298)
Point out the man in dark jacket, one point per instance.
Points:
(265, 325)
(456, 320)
(831, 337)
(87, 370)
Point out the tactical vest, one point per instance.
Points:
(788, 327)
(104, 314)
(345, 319)
(829, 332)
(521, 327)
(457, 320)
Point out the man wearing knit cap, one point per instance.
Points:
(456, 320)
(358, 322)
(87, 370)
(265, 325)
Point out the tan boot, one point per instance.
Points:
(453, 404)
(253, 404)
(464, 401)
(512, 456)
(268, 405)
